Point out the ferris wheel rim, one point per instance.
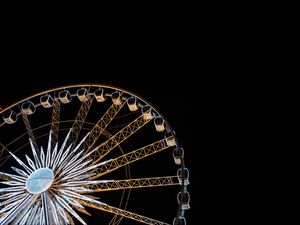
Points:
(81, 85)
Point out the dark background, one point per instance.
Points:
(220, 77)
(135, 46)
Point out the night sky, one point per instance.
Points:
(215, 76)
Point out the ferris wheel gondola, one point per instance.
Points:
(64, 150)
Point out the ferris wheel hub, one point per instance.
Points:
(39, 180)
(93, 131)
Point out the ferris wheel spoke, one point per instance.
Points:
(46, 215)
(69, 161)
(112, 185)
(3, 147)
(29, 130)
(7, 176)
(105, 148)
(66, 206)
(71, 221)
(3, 159)
(123, 213)
(62, 215)
(101, 125)
(26, 210)
(12, 199)
(33, 213)
(55, 215)
(57, 156)
(55, 121)
(18, 210)
(116, 163)
(89, 150)
(80, 118)
(23, 221)
(19, 171)
(115, 220)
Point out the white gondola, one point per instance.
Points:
(159, 124)
(46, 101)
(28, 107)
(170, 139)
(99, 95)
(10, 117)
(184, 198)
(82, 94)
(147, 112)
(181, 221)
(178, 154)
(65, 96)
(116, 98)
(72, 128)
(183, 176)
(132, 103)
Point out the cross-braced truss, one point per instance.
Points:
(111, 185)
(55, 121)
(118, 138)
(61, 178)
(80, 118)
(99, 128)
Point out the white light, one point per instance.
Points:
(37, 178)
(39, 181)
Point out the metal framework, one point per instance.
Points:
(118, 138)
(55, 121)
(111, 165)
(64, 175)
(112, 185)
(124, 213)
(80, 118)
(2, 149)
(29, 130)
(101, 125)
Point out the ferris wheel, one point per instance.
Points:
(90, 154)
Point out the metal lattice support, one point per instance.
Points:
(55, 181)
(2, 149)
(134, 183)
(70, 219)
(124, 213)
(116, 220)
(80, 118)
(20, 205)
(29, 131)
(119, 137)
(130, 157)
(3, 176)
(99, 128)
(55, 121)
